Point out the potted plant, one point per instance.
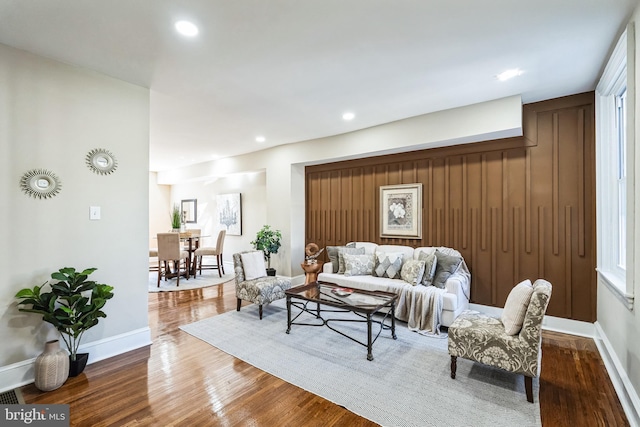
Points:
(176, 218)
(268, 241)
(73, 306)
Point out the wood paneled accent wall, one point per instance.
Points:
(515, 208)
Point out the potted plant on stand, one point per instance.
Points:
(268, 241)
(73, 306)
(176, 218)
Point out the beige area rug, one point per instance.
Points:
(407, 384)
(208, 278)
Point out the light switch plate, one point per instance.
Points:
(94, 212)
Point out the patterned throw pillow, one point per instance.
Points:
(445, 267)
(332, 253)
(358, 265)
(516, 307)
(388, 264)
(350, 251)
(412, 271)
(430, 264)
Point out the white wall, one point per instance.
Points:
(284, 164)
(51, 115)
(252, 188)
(159, 209)
(619, 326)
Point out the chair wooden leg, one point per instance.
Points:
(218, 260)
(159, 271)
(454, 366)
(176, 266)
(239, 304)
(221, 263)
(260, 311)
(528, 386)
(199, 262)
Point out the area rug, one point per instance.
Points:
(200, 281)
(407, 384)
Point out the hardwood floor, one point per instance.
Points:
(182, 381)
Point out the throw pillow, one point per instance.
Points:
(388, 264)
(347, 250)
(412, 271)
(332, 253)
(516, 307)
(446, 265)
(253, 265)
(358, 265)
(430, 264)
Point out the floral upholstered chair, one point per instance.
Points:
(252, 282)
(513, 342)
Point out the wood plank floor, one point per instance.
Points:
(182, 381)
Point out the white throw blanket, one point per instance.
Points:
(421, 310)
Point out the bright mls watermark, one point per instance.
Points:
(34, 415)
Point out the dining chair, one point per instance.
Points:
(169, 251)
(153, 253)
(216, 251)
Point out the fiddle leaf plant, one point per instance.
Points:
(73, 306)
(268, 241)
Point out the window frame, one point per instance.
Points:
(612, 164)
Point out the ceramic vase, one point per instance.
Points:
(51, 367)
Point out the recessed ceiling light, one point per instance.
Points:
(186, 28)
(509, 74)
(348, 116)
(260, 138)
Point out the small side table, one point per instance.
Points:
(311, 271)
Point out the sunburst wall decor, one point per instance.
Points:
(40, 183)
(101, 161)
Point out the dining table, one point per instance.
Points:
(192, 243)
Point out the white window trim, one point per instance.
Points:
(612, 82)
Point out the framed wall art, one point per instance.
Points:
(401, 211)
(229, 213)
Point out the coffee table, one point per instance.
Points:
(331, 298)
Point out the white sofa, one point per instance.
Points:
(457, 286)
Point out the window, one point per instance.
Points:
(612, 111)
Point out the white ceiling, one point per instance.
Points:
(288, 69)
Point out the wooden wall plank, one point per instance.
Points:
(581, 182)
(483, 201)
(555, 170)
(505, 201)
(465, 202)
(527, 200)
(568, 278)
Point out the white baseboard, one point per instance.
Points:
(298, 280)
(21, 373)
(626, 393)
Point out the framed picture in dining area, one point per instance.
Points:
(401, 211)
(229, 213)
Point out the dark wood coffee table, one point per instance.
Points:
(328, 298)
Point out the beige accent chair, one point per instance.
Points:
(169, 251)
(212, 251)
(478, 337)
